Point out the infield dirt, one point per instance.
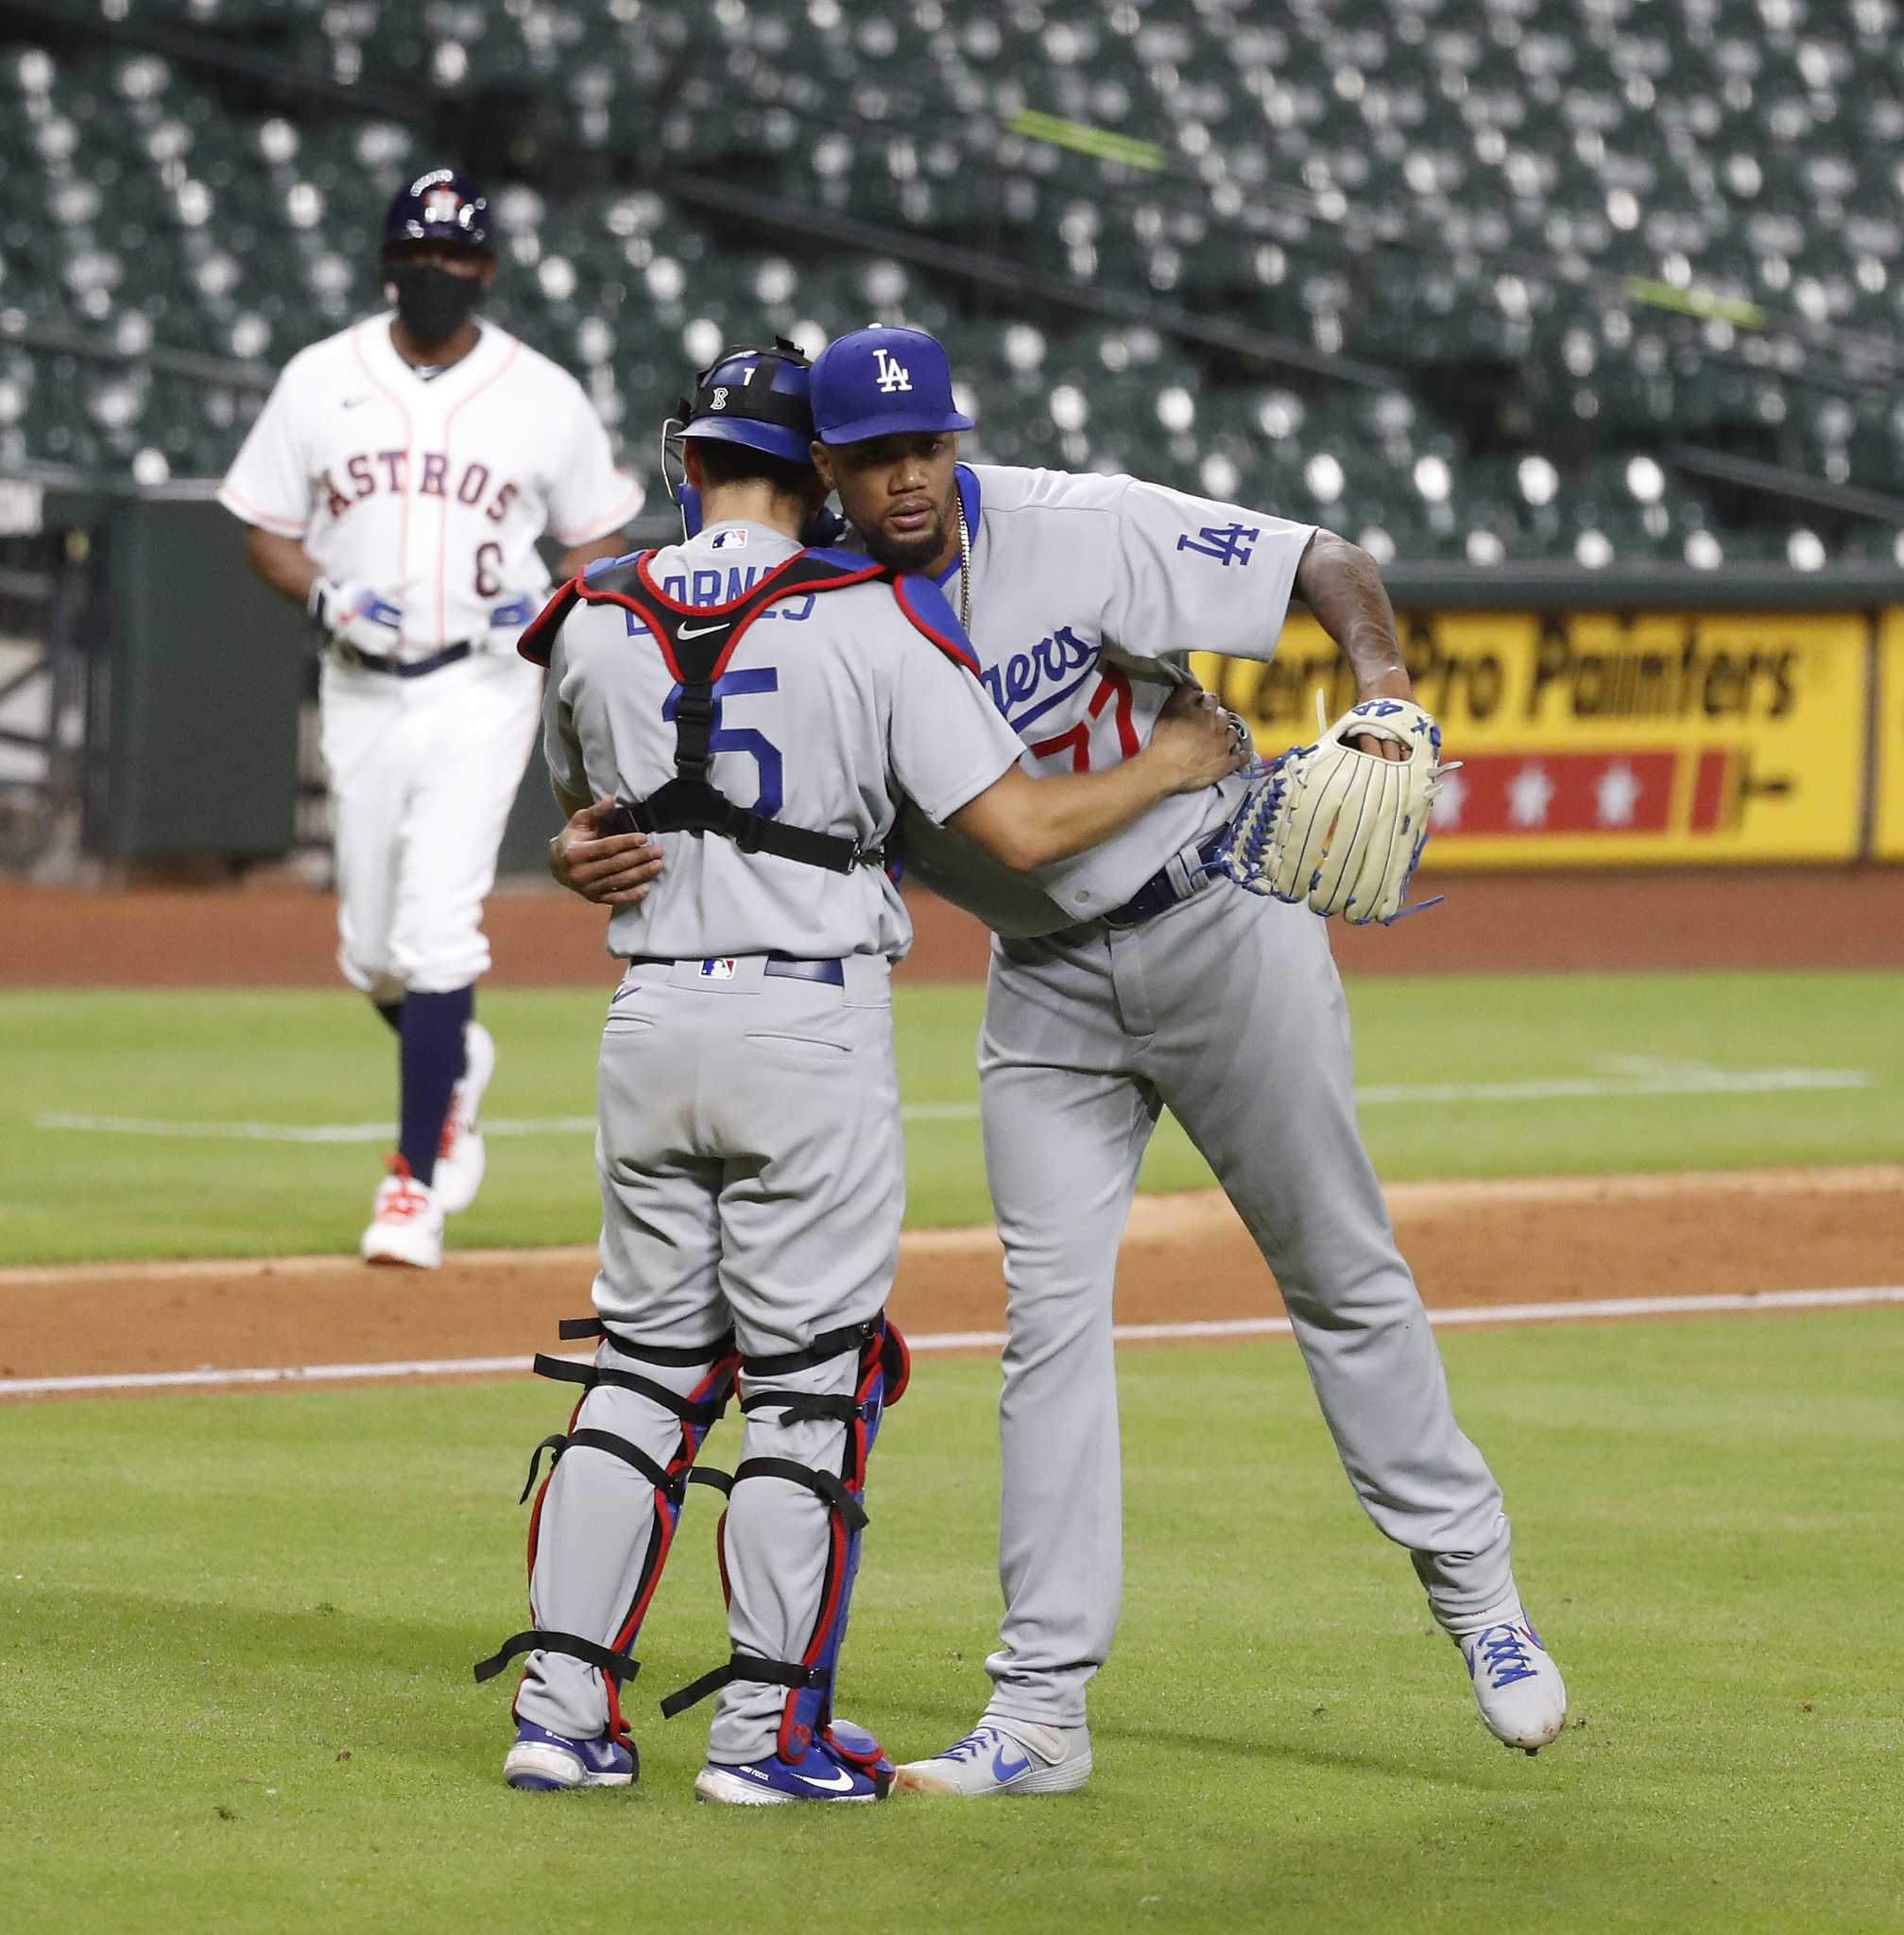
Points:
(1185, 1258)
(262, 936)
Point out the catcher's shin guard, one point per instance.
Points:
(876, 1368)
(672, 1403)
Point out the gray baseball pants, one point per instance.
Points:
(752, 1179)
(1227, 1010)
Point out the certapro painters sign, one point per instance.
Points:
(1888, 742)
(1603, 737)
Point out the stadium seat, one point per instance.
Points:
(1568, 237)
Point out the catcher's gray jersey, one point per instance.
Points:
(749, 1150)
(1086, 592)
(833, 708)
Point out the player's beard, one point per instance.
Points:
(914, 553)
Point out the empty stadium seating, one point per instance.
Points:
(1514, 252)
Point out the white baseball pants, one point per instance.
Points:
(423, 774)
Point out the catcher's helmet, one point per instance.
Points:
(442, 206)
(760, 398)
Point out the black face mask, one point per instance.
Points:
(432, 304)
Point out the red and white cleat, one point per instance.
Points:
(406, 1225)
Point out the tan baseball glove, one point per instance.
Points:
(1338, 828)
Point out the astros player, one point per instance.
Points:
(396, 483)
(1128, 980)
(761, 710)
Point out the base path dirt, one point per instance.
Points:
(1186, 1258)
(264, 935)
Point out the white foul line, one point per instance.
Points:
(1630, 1079)
(295, 1132)
(1715, 1305)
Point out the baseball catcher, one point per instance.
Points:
(760, 710)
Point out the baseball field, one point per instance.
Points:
(261, 1503)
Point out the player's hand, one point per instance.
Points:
(352, 615)
(613, 869)
(508, 617)
(1391, 685)
(1198, 740)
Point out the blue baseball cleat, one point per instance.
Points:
(543, 1762)
(847, 1763)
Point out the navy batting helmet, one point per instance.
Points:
(760, 398)
(442, 206)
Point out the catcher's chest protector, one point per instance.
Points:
(697, 640)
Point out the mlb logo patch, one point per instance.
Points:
(717, 971)
(728, 540)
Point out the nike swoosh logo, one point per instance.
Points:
(841, 1782)
(697, 632)
(1003, 1771)
(352, 402)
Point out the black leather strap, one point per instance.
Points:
(823, 1484)
(804, 1407)
(574, 1329)
(701, 1412)
(828, 1344)
(617, 1666)
(557, 1442)
(743, 1666)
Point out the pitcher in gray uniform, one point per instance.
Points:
(749, 1147)
(1126, 980)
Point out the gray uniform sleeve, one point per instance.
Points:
(561, 747)
(1191, 574)
(946, 741)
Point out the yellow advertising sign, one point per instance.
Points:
(1887, 839)
(1607, 738)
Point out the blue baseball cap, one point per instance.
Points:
(442, 206)
(884, 381)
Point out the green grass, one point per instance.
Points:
(236, 1690)
(311, 1058)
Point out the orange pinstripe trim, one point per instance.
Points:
(264, 520)
(403, 409)
(443, 522)
(623, 512)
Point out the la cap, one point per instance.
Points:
(884, 381)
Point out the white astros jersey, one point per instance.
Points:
(431, 491)
(1086, 592)
(833, 708)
